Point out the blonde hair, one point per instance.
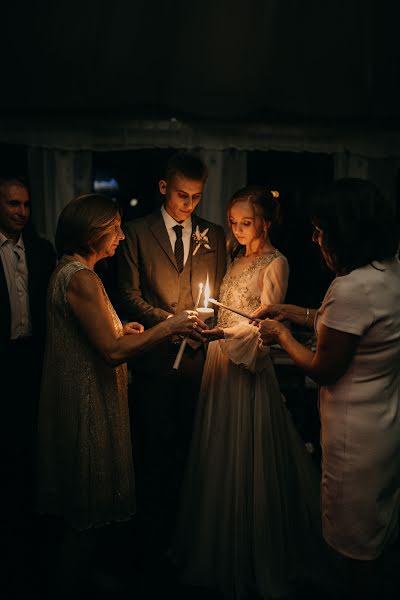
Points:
(83, 222)
(265, 205)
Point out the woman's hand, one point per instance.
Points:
(270, 311)
(187, 323)
(132, 328)
(217, 333)
(271, 331)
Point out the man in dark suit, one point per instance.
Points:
(26, 263)
(159, 273)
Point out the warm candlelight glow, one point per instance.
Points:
(199, 296)
(206, 293)
(205, 313)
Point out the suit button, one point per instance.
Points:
(173, 304)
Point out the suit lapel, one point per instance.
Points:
(159, 231)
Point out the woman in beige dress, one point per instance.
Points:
(84, 466)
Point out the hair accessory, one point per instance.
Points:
(275, 193)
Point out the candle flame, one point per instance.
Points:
(199, 296)
(206, 293)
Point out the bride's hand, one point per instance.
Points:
(217, 333)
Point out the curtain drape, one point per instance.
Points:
(56, 176)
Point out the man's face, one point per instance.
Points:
(182, 195)
(14, 210)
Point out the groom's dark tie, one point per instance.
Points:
(179, 247)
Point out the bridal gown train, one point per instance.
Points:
(249, 511)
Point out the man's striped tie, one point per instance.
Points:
(179, 247)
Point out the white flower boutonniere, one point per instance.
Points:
(201, 239)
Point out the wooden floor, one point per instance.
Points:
(121, 561)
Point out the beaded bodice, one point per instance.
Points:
(242, 291)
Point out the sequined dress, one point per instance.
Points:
(250, 500)
(84, 467)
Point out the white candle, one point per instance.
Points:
(206, 315)
(178, 358)
(199, 296)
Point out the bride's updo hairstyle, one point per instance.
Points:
(83, 222)
(265, 206)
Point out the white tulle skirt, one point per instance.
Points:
(249, 518)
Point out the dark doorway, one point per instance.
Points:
(13, 161)
(132, 178)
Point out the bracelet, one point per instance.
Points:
(307, 314)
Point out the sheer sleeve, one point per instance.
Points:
(274, 281)
(241, 344)
(243, 347)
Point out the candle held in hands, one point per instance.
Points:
(206, 314)
(234, 310)
(178, 358)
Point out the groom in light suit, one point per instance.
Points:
(158, 275)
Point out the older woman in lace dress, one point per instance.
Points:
(84, 467)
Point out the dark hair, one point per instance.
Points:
(188, 164)
(83, 222)
(358, 223)
(265, 206)
(18, 181)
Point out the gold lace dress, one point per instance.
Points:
(250, 498)
(84, 468)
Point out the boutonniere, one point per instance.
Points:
(201, 239)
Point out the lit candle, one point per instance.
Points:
(206, 314)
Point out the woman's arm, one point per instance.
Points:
(334, 353)
(287, 312)
(273, 284)
(88, 303)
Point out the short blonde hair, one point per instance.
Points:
(83, 222)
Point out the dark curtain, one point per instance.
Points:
(204, 59)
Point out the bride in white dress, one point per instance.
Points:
(250, 500)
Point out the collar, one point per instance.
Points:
(4, 240)
(170, 221)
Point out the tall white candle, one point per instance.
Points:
(181, 350)
(207, 315)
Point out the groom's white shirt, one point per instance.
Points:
(186, 233)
